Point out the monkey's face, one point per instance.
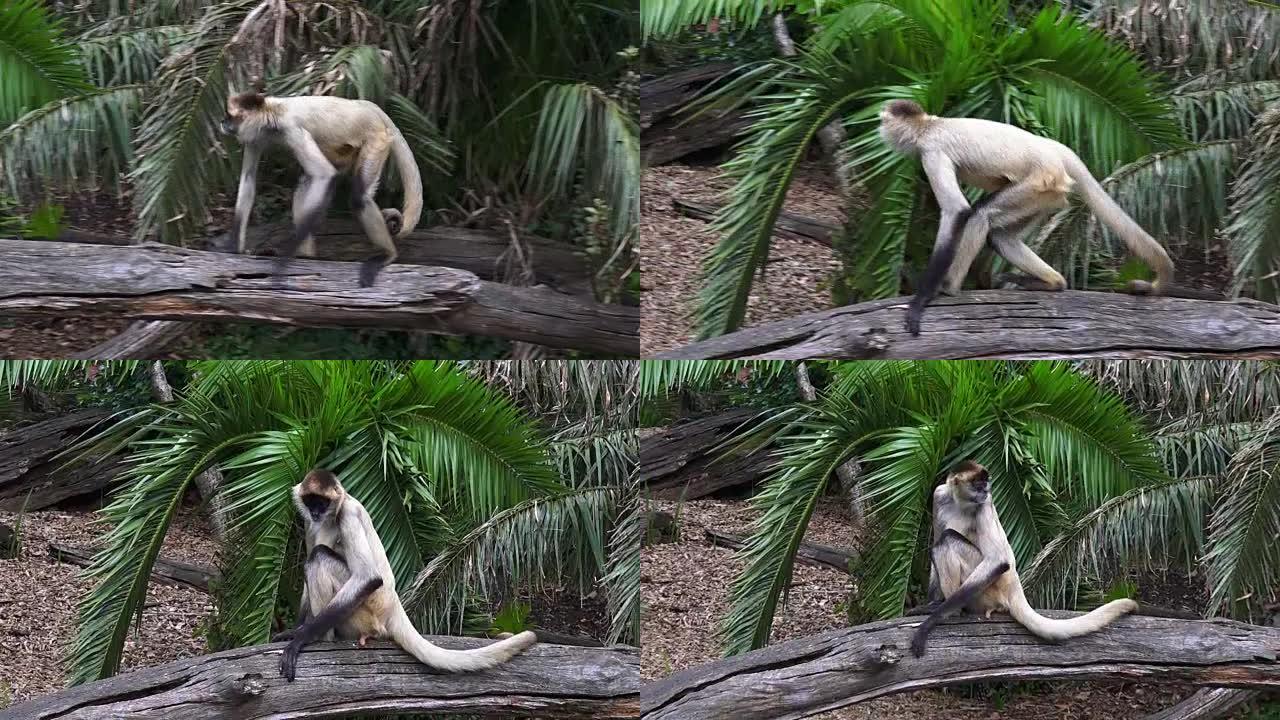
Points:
(970, 483)
(318, 496)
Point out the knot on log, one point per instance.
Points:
(249, 685)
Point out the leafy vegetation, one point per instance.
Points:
(481, 489)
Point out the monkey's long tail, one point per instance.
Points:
(411, 180)
(406, 636)
(1055, 629)
(1138, 241)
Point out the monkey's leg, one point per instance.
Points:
(307, 247)
(349, 597)
(955, 208)
(364, 185)
(324, 573)
(1007, 241)
(316, 192)
(978, 581)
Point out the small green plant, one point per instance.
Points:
(1122, 589)
(13, 547)
(513, 618)
(1266, 710)
(45, 222)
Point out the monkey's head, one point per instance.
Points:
(901, 122)
(902, 110)
(969, 483)
(319, 495)
(244, 106)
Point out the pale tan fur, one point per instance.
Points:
(348, 530)
(979, 522)
(995, 156)
(327, 136)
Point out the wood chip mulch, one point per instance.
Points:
(672, 248)
(685, 587)
(39, 596)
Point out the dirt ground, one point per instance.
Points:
(685, 589)
(38, 599)
(672, 248)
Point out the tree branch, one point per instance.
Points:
(339, 680)
(1013, 324)
(162, 282)
(808, 675)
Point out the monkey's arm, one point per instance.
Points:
(245, 195)
(316, 187)
(955, 208)
(980, 579)
(362, 583)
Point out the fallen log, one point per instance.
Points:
(802, 677)
(1206, 704)
(662, 96)
(787, 225)
(487, 254)
(686, 460)
(161, 282)
(807, 553)
(143, 339)
(165, 571)
(31, 474)
(340, 680)
(677, 137)
(1013, 324)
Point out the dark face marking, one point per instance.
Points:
(317, 505)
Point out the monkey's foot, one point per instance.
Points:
(1026, 282)
(370, 268)
(363, 640)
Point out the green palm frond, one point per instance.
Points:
(128, 56)
(528, 544)
(430, 147)
(176, 170)
(37, 64)
(1224, 112)
(803, 98)
(668, 17)
(586, 137)
(354, 71)
(1254, 221)
(1242, 558)
(1222, 392)
(809, 454)
(668, 376)
(622, 579)
(55, 374)
(1146, 527)
(39, 146)
(1087, 440)
(1091, 94)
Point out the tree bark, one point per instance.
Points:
(685, 460)
(1013, 324)
(162, 282)
(849, 472)
(141, 340)
(1205, 704)
(808, 675)
(31, 474)
(339, 680)
(667, 135)
(807, 552)
(209, 482)
(165, 571)
(787, 225)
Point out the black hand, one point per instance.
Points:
(289, 660)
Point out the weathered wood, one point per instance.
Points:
(1013, 324)
(161, 282)
(340, 680)
(685, 460)
(788, 225)
(485, 253)
(679, 136)
(662, 96)
(143, 339)
(808, 675)
(807, 553)
(165, 571)
(32, 476)
(1205, 704)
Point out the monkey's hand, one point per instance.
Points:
(283, 635)
(393, 219)
(289, 660)
(918, 641)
